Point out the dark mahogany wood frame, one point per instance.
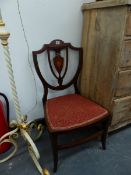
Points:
(57, 46)
(7, 106)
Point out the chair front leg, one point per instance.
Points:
(53, 137)
(105, 125)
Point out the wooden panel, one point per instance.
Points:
(126, 56)
(88, 42)
(128, 25)
(105, 4)
(109, 35)
(106, 43)
(121, 111)
(124, 83)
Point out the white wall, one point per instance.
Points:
(44, 20)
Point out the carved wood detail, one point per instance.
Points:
(58, 62)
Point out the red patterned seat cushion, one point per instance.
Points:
(72, 111)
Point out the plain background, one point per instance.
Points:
(43, 20)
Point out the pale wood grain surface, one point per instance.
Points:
(128, 26)
(121, 110)
(125, 60)
(124, 83)
(106, 73)
(103, 4)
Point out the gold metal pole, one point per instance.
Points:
(4, 41)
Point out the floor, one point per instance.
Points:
(87, 159)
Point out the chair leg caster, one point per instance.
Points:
(104, 134)
(55, 162)
(54, 150)
(55, 169)
(103, 140)
(104, 146)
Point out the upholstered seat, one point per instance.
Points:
(72, 111)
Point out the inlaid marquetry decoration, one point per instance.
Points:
(21, 125)
(58, 61)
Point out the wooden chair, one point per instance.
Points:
(67, 113)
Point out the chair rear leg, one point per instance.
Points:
(54, 149)
(105, 126)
